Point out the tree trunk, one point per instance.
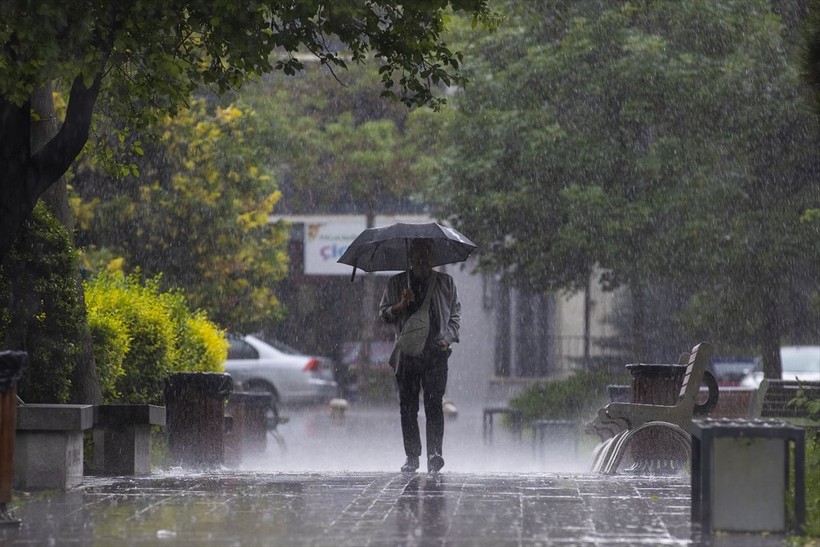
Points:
(16, 202)
(587, 318)
(503, 360)
(26, 175)
(770, 336)
(638, 322)
(42, 131)
(85, 384)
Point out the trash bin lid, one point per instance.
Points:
(12, 364)
(217, 384)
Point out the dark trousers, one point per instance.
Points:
(427, 374)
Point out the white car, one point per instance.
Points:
(291, 377)
(799, 362)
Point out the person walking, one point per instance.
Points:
(422, 288)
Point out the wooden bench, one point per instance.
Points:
(627, 419)
(622, 416)
(771, 400)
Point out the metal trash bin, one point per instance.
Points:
(740, 475)
(12, 364)
(195, 417)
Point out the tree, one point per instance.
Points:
(146, 58)
(659, 141)
(195, 209)
(338, 147)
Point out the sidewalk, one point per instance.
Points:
(337, 484)
(365, 509)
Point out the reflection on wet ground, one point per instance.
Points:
(337, 485)
(369, 439)
(354, 509)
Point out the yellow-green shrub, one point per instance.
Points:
(148, 326)
(110, 341)
(164, 336)
(203, 347)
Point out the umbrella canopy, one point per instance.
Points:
(386, 248)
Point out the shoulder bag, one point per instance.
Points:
(413, 335)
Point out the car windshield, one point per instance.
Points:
(281, 346)
(284, 348)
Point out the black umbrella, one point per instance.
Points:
(386, 248)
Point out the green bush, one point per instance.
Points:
(163, 336)
(149, 329)
(575, 397)
(202, 347)
(110, 342)
(813, 484)
(812, 492)
(40, 310)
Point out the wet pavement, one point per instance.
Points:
(336, 484)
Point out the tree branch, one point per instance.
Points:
(56, 156)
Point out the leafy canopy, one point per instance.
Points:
(159, 52)
(337, 148)
(659, 141)
(142, 60)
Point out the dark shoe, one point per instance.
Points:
(410, 465)
(434, 463)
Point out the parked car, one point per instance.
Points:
(291, 377)
(729, 371)
(799, 362)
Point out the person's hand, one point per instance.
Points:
(443, 345)
(407, 298)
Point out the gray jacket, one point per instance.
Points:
(445, 301)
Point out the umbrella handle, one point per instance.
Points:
(353, 275)
(407, 250)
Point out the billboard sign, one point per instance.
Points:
(326, 241)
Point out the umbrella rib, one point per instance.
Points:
(375, 248)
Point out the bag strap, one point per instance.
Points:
(424, 309)
(425, 306)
